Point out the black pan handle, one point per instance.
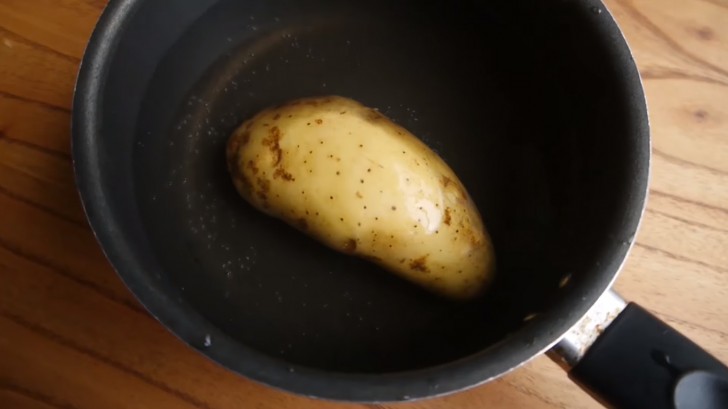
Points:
(637, 361)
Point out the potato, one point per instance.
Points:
(351, 178)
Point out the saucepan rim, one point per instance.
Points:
(533, 339)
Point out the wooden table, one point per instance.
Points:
(73, 337)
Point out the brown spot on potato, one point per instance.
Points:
(448, 218)
(420, 264)
(281, 173)
(253, 168)
(264, 185)
(319, 121)
(350, 245)
(342, 112)
(475, 241)
(242, 140)
(358, 194)
(372, 115)
(445, 181)
(232, 146)
(272, 141)
(277, 117)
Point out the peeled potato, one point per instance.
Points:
(351, 178)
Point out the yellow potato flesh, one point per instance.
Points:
(349, 177)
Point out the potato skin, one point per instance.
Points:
(354, 180)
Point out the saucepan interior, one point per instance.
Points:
(537, 107)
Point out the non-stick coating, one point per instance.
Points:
(537, 107)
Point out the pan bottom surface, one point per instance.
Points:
(498, 92)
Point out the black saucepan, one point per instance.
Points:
(536, 105)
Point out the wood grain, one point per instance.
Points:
(72, 337)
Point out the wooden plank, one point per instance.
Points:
(69, 249)
(690, 127)
(699, 31)
(34, 73)
(69, 375)
(659, 52)
(14, 397)
(695, 182)
(35, 124)
(59, 25)
(41, 179)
